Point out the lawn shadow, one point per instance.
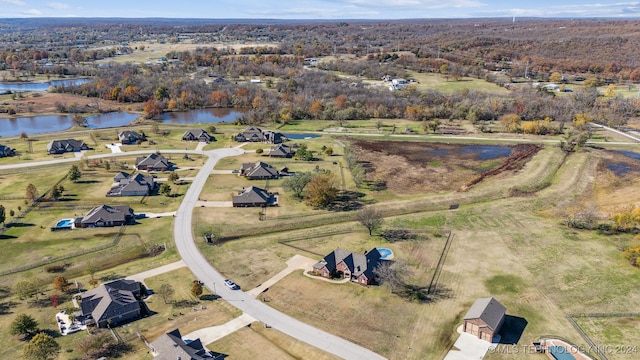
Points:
(87, 181)
(181, 304)
(421, 294)
(7, 237)
(512, 329)
(110, 277)
(210, 297)
(5, 292)
(19, 224)
(347, 201)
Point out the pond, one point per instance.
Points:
(621, 168)
(301, 136)
(215, 115)
(52, 123)
(39, 86)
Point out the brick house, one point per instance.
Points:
(356, 267)
(484, 318)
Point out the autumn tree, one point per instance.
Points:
(196, 289)
(152, 108)
(24, 325)
(555, 77)
(166, 292)
(321, 190)
(511, 122)
(370, 218)
(60, 283)
(328, 151)
(74, 173)
(32, 193)
(41, 347)
(296, 184)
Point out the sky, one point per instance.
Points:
(318, 9)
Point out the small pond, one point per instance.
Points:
(39, 86)
(51, 123)
(301, 136)
(215, 115)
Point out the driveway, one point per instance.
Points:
(297, 262)
(210, 334)
(115, 148)
(468, 347)
(157, 271)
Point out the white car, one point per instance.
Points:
(231, 285)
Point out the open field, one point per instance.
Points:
(616, 337)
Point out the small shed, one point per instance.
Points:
(484, 318)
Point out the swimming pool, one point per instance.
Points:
(64, 224)
(560, 353)
(385, 253)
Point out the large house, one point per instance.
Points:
(111, 303)
(253, 197)
(254, 134)
(153, 162)
(6, 151)
(484, 319)
(356, 267)
(64, 146)
(127, 185)
(258, 171)
(171, 346)
(129, 137)
(282, 151)
(197, 135)
(106, 216)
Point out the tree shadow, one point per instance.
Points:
(5, 292)
(87, 181)
(210, 297)
(110, 277)
(420, 294)
(7, 237)
(19, 224)
(347, 201)
(512, 329)
(5, 307)
(181, 304)
(53, 333)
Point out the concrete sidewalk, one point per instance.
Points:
(210, 334)
(297, 262)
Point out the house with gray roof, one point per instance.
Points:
(171, 346)
(484, 318)
(6, 151)
(258, 171)
(128, 137)
(356, 267)
(153, 162)
(111, 303)
(282, 151)
(136, 185)
(253, 197)
(106, 216)
(67, 145)
(197, 135)
(255, 134)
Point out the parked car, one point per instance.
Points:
(231, 285)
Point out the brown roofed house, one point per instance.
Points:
(282, 151)
(484, 318)
(129, 137)
(171, 346)
(106, 216)
(254, 134)
(253, 197)
(258, 171)
(153, 162)
(197, 135)
(127, 185)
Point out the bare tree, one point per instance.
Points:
(166, 292)
(390, 274)
(370, 218)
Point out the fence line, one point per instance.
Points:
(114, 242)
(586, 338)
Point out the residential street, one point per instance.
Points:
(256, 309)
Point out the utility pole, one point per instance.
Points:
(526, 70)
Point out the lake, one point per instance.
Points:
(39, 86)
(53, 123)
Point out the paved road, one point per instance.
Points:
(254, 308)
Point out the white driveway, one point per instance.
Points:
(115, 147)
(297, 262)
(210, 334)
(468, 347)
(157, 271)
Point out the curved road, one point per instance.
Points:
(210, 276)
